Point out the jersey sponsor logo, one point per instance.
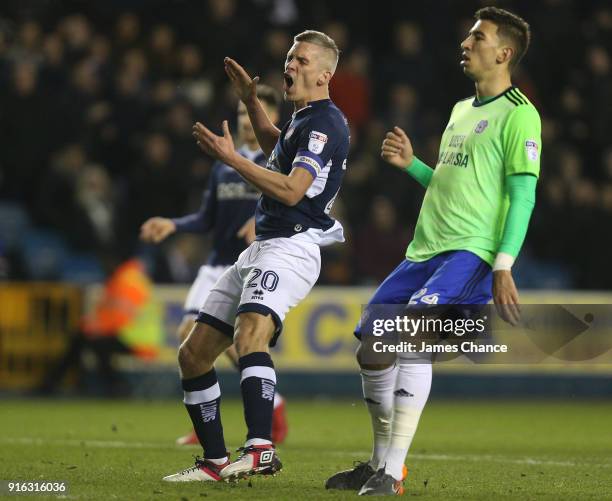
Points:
(316, 142)
(308, 161)
(453, 158)
(481, 126)
(235, 191)
(457, 141)
(532, 149)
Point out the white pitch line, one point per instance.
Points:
(479, 457)
(118, 444)
(106, 444)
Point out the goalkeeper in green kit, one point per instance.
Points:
(471, 226)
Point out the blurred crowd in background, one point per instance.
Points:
(98, 98)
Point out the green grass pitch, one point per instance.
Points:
(463, 450)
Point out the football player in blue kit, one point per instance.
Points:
(247, 305)
(227, 210)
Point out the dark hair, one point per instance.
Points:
(269, 96)
(509, 26)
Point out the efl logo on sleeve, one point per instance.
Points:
(532, 149)
(316, 142)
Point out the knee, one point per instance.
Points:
(186, 356)
(380, 365)
(184, 329)
(190, 359)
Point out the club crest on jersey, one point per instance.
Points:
(481, 126)
(532, 149)
(316, 142)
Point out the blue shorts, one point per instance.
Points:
(456, 277)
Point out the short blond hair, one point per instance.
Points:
(322, 40)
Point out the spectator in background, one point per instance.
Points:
(405, 63)
(402, 109)
(381, 242)
(127, 32)
(162, 51)
(351, 87)
(157, 185)
(194, 85)
(24, 109)
(94, 217)
(55, 200)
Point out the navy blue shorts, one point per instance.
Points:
(456, 277)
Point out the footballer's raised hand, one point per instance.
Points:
(506, 297)
(156, 229)
(219, 147)
(244, 85)
(396, 149)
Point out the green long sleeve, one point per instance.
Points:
(420, 171)
(521, 190)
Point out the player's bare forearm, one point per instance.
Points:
(266, 132)
(288, 190)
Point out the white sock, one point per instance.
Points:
(278, 399)
(411, 393)
(218, 461)
(378, 389)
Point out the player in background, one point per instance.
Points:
(247, 305)
(471, 226)
(228, 208)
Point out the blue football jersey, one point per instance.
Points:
(316, 139)
(227, 203)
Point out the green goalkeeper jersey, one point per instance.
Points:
(466, 202)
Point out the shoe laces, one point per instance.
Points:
(359, 467)
(244, 451)
(198, 462)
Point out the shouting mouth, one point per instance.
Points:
(288, 81)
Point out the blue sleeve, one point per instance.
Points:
(204, 219)
(318, 141)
